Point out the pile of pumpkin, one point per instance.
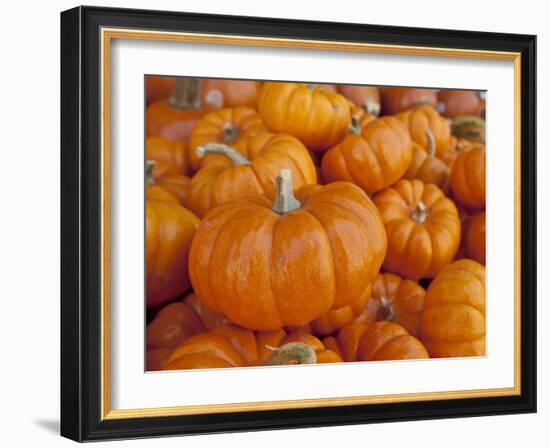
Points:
(291, 223)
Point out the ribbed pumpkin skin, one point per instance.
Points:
(287, 269)
(316, 116)
(373, 160)
(220, 182)
(428, 169)
(178, 321)
(171, 152)
(333, 320)
(475, 240)
(398, 99)
(219, 93)
(232, 126)
(420, 118)
(418, 250)
(453, 319)
(468, 179)
(167, 184)
(348, 340)
(396, 299)
(169, 231)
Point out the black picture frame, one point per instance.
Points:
(81, 208)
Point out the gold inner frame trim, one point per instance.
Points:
(107, 35)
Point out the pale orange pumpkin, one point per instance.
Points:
(366, 97)
(314, 115)
(268, 264)
(453, 318)
(422, 226)
(219, 93)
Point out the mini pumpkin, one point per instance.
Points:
(229, 126)
(291, 260)
(178, 321)
(175, 117)
(385, 340)
(348, 340)
(422, 226)
(219, 93)
(396, 300)
(453, 318)
(428, 168)
(314, 115)
(454, 103)
(174, 153)
(468, 179)
(458, 146)
(373, 160)
(366, 97)
(169, 231)
(235, 175)
(163, 183)
(398, 99)
(424, 120)
(475, 240)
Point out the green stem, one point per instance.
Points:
(285, 201)
(293, 351)
(220, 149)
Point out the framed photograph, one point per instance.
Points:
(277, 224)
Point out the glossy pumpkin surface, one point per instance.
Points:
(428, 168)
(468, 179)
(423, 228)
(475, 240)
(173, 153)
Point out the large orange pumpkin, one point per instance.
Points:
(428, 168)
(316, 116)
(394, 299)
(453, 319)
(422, 226)
(172, 152)
(169, 231)
(229, 126)
(398, 99)
(366, 97)
(454, 103)
(424, 120)
(236, 175)
(385, 340)
(475, 240)
(468, 179)
(373, 160)
(268, 264)
(175, 117)
(178, 321)
(218, 93)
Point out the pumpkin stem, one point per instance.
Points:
(149, 167)
(285, 201)
(299, 352)
(219, 148)
(420, 213)
(186, 94)
(431, 142)
(354, 125)
(229, 133)
(386, 312)
(470, 127)
(372, 107)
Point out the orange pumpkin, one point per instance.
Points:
(396, 300)
(178, 321)
(424, 120)
(428, 168)
(453, 319)
(384, 341)
(266, 264)
(468, 179)
(475, 241)
(398, 99)
(348, 340)
(237, 175)
(164, 184)
(219, 93)
(158, 87)
(359, 119)
(229, 126)
(333, 320)
(174, 118)
(172, 152)
(169, 231)
(454, 103)
(457, 147)
(366, 97)
(373, 160)
(156, 358)
(422, 226)
(316, 116)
